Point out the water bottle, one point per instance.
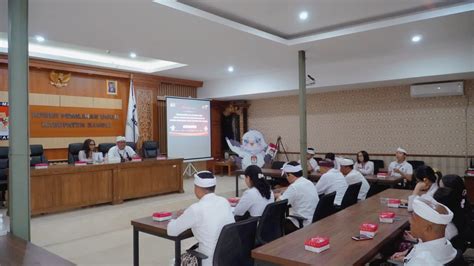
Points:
(3, 227)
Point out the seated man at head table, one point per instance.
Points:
(205, 218)
(353, 176)
(301, 195)
(428, 223)
(331, 181)
(88, 152)
(400, 167)
(313, 166)
(121, 152)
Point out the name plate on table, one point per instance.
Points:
(136, 159)
(161, 157)
(80, 163)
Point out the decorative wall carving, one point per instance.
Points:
(145, 114)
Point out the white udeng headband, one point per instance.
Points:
(402, 150)
(290, 168)
(310, 151)
(429, 214)
(204, 182)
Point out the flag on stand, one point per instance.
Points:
(131, 127)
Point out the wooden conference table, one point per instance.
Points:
(16, 251)
(64, 187)
(339, 227)
(276, 173)
(147, 225)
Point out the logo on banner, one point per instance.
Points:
(4, 120)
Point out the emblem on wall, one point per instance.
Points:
(59, 79)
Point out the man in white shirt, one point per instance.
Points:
(206, 217)
(120, 152)
(354, 176)
(301, 195)
(331, 181)
(428, 223)
(313, 166)
(401, 167)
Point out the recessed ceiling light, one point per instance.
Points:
(230, 69)
(133, 55)
(416, 38)
(303, 15)
(39, 38)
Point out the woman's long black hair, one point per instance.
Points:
(258, 180)
(86, 147)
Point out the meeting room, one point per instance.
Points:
(236, 133)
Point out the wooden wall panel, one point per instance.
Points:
(90, 82)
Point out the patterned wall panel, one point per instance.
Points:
(378, 120)
(145, 114)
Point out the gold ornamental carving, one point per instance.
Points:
(59, 79)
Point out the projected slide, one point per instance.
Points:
(188, 128)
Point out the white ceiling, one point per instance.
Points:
(207, 47)
(278, 16)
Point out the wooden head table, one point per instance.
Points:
(339, 227)
(65, 187)
(16, 251)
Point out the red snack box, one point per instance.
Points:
(368, 229)
(317, 244)
(162, 216)
(80, 163)
(382, 174)
(41, 166)
(386, 217)
(233, 201)
(394, 203)
(136, 159)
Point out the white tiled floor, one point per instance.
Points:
(102, 235)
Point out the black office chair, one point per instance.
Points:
(277, 164)
(150, 149)
(104, 147)
(350, 197)
(73, 152)
(378, 164)
(272, 222)
(234, 245)
(325, 207)
(37, 154)
(3, 172)
(458, 260)
(415, 164)
(132, 145)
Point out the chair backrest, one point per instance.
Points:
(3, 163)
(37, 154)
(458, 260)
(132, 145)
(277, 164)
(378, 164)
(415, 164)
(272, 222)
(104, 147)
(150, 149)
(73, 152)
(235, 244)
(325, 207)
(350, 197)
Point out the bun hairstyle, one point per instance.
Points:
(258, 180)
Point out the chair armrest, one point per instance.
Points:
(197, 254)
(299, 219)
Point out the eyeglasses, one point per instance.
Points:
(92, 144)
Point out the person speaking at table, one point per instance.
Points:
(88, 154)
(205, 218)
(301, 195)
(257, 197)
(400, 167)
(121, 152)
